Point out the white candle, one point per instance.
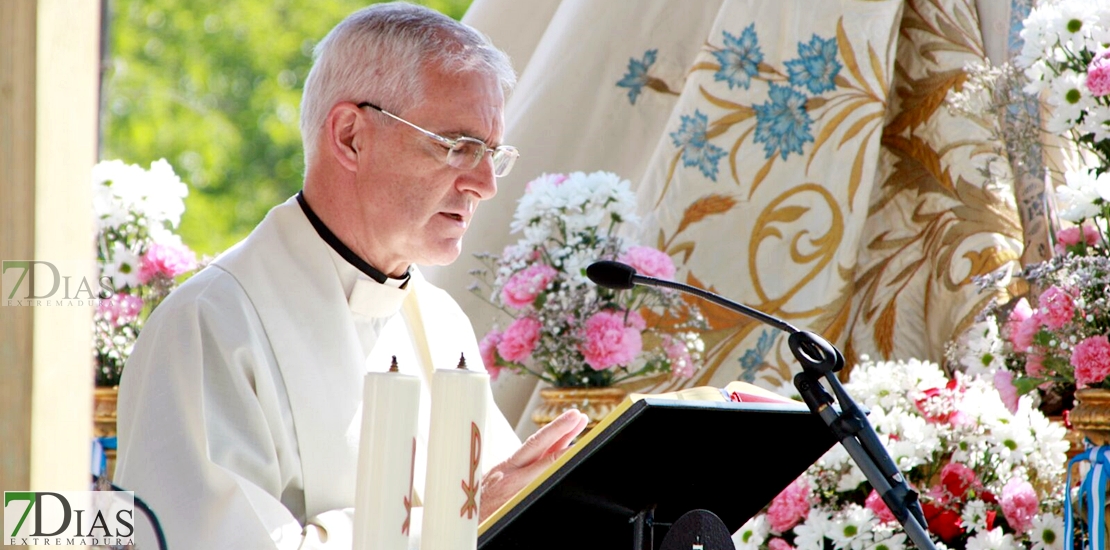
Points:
(452, 491)
(386, 461)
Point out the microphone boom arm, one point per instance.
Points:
(819, 359)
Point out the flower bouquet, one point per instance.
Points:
(1055, 340)
(564, 329)
(1065, 60)
(989, 478)
(139, 257)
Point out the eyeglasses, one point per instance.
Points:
(463, 153)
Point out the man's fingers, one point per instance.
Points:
(540, 442)
(562, 444)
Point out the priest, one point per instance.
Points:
(240, 408)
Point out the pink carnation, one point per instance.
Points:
(649, 261)
(1071, 236)
(1021, 311)
(522, 288)
(790, 507)
(1098, 75)
(1091, 359)
(488, 349)
(875, 503)
(682, 365)
(1034, 365)
(120, 309)
(1019, 504)
(518, 341)
(1022, 333)
(1057, 308)
(777, 543)
(609, 341)
(169, 260)
(1004, 383)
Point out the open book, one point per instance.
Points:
(727, 450)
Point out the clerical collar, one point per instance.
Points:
(342, 249)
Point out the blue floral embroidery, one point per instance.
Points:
(782, 123)
(697, 151)
(636, 77)
(739, 59)
(817, 67)
(753, 358)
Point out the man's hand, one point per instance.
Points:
(537, 453)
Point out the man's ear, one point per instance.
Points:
(344, 131)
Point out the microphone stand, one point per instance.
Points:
(820, 359)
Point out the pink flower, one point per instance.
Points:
(1034, 365)
(649, 261)
(875, 503)
(488, 349)
(777, 543)
(957, 479)
(1098, 75)
(1019, 504)
(1091, 359)
(1004, 383)
(169, 260)
(522, 288)
(555, 180)
(1021, 311)
(518, 341)
(1022, 333)
(1071, 236)
(609, 341)
(120, 309)
(790, 507)
(1057, 308)
(682, 365)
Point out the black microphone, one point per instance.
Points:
(819, 359)
(619, 276)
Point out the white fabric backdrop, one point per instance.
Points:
(867, 229)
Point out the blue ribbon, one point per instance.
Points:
(1092, 492)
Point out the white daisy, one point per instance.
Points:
(123, 267)
(1047, 532)
(853, 528)
(752, 534)
(811, 534)
(994, 539)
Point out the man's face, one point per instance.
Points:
(414, 207)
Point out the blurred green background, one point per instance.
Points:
(214, 87)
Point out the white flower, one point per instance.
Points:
(123, 267)
(1070, 98)
(1097, 122)
(974, 516)
(163, 196)
(984, 348)
(1076, 200)
(1047, 532)
(886, 539)
(853, 529)
(752, 534)
(994, 539)
(811, 533)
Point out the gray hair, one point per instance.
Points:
(378, 54)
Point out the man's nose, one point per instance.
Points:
(480, 179)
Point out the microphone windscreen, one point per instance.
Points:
(610, 274)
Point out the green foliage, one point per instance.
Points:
(214, 87)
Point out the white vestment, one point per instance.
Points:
(239, 410)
